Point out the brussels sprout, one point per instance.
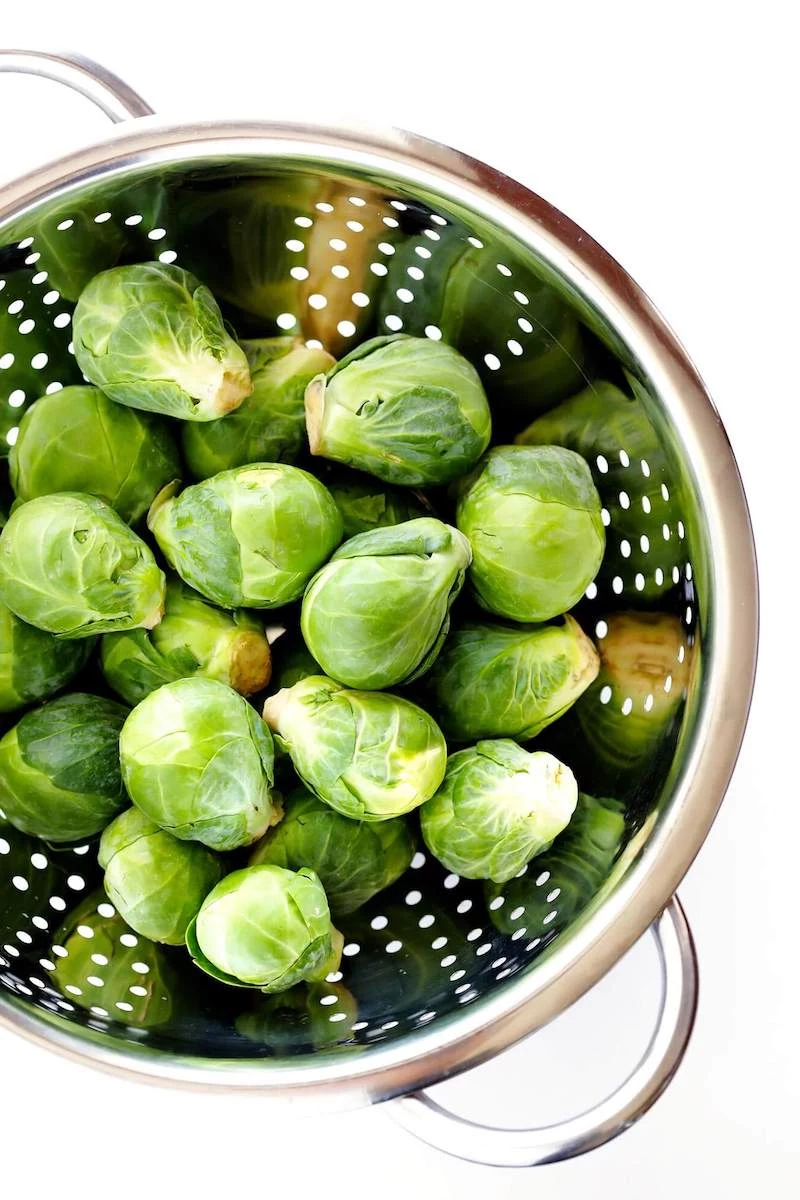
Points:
(610, 430)
(571, 872)
(192, 638)
(377, 614)
(152, 337)
(629, 711)
(369, 755)
(136, 984)
(77, 440)
(270, 425)
(155, 882)
(263, 927)
(501, 681)
(532, 516)
(353, 859)
(251, 537)
(459, 295)
(408, 410)
(197, 760)
(69, 564)
(366, 503)
(34, 664)
(291, 662)
(498, 806)
(317, 1016)
(59, 768)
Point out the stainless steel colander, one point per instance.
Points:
(337, 234)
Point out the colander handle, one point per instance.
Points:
(102, 87)
(427, 1120)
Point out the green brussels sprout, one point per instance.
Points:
(366, 503)
(34, 664)
(155, 882)
(291, 662)
(263, 927)
(317, 1016)
(567, 875)
(59, 768)
(408, 410)
(377, 614)
(248, 538)
(630, 709)
(532, 516)
(109, 971)
(77, 440)
(353, 859)
(498, 807)
(192, 638)
(369, 755)
(152, 337)
(458, 294)
(70, 565)
(198, 761)
(268, 426)
(495, 681)
(614, 434)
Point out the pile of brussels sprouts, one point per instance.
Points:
(241, 810)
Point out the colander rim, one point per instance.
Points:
(568, 969)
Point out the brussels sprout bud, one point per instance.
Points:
(408, 410)
(138, 982)
(154, 881)
(600, 423)
(497, 807)
(509, 681)
(34, 664)
(263, 927)
(366, 503)
(270, 425)
(198, 761)
(70, 565)
(532, 516)
(192, 638)
(368, 755)
(377, 614)
(77, 440)
(59, 768)
(248, 538)
(152, 337)
(353, 859)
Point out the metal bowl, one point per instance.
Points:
(337, 234)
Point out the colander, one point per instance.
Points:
(337, 234)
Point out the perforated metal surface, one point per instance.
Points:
(336, 258)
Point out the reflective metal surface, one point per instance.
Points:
(427, 1120)
(338, 234)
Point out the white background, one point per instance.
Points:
(670, 132)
